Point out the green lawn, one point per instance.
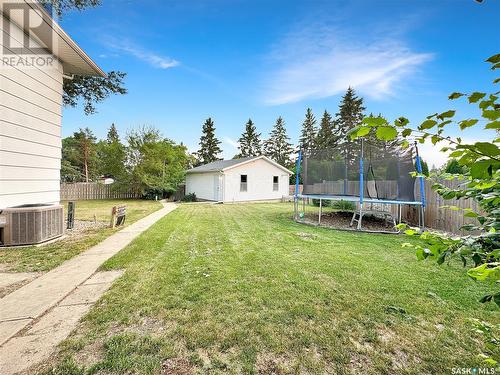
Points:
(46, 257)
(244, 289)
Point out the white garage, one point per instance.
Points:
(238, 180)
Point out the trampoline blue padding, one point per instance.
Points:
(356, 199)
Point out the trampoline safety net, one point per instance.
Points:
(336, 172)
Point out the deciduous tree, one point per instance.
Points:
(112, 155)
(156, 164)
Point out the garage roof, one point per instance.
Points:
(222, 165)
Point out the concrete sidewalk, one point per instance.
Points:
(22, 307)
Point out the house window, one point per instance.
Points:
(243, 182)
(276, 183)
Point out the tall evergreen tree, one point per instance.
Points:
(278, 147)
(326, 138)
(250, 143)
(349, 116)
(209, 144)
(309, 131)
(113, 134)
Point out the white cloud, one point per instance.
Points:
(231, 142)
(318, 62)
(432, 154)
(153, 59)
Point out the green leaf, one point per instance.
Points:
(446, 114)
(406, 132)
(485, 271)
(467, 123)
(496, 80)
(402, 121)
(487, 148)
(374, 121)
(410, 232)
(494, 59)
(435, 139)
(480, 169)
(455, 95)
(456, 153)
(493, 125)
(442, 257)
(491, 114)
(386, 133)
(427, 124)
(471, 214)
(421, 255)
(364, 130)
(485, 185)
(486, 298)
(405, 144)
(476, 96)
(496, 298)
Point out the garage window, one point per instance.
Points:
(276, 183)
(243, 182)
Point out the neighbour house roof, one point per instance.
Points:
(50, 35)
(223, 165)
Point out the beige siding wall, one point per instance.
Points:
(260, 182)
(204, 185)
(30, 130)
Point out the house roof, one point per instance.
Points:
(74, 60)
(223, 165)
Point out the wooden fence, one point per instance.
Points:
(435, 217)
(94, 190)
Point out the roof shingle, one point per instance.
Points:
(219, 165)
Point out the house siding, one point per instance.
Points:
(202, 184)
(260, 182)
(30, 130)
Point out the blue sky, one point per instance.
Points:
(235, 59)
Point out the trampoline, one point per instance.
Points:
(367, 173)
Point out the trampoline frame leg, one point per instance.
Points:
(320, 210)
(360, 215)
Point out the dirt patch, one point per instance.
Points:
(82, 226)
(305, 236)
(342, 220)
(176, 366)
(269, 364)
(10, 282)
(359, 363)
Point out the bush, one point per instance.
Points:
(189, 198)
(343, 205)
(324, 203)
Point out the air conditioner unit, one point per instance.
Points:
(31, 224)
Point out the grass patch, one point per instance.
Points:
(244, 289)
(46, 257)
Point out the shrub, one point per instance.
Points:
(343, 205)
(189, 198)
(324, 203)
